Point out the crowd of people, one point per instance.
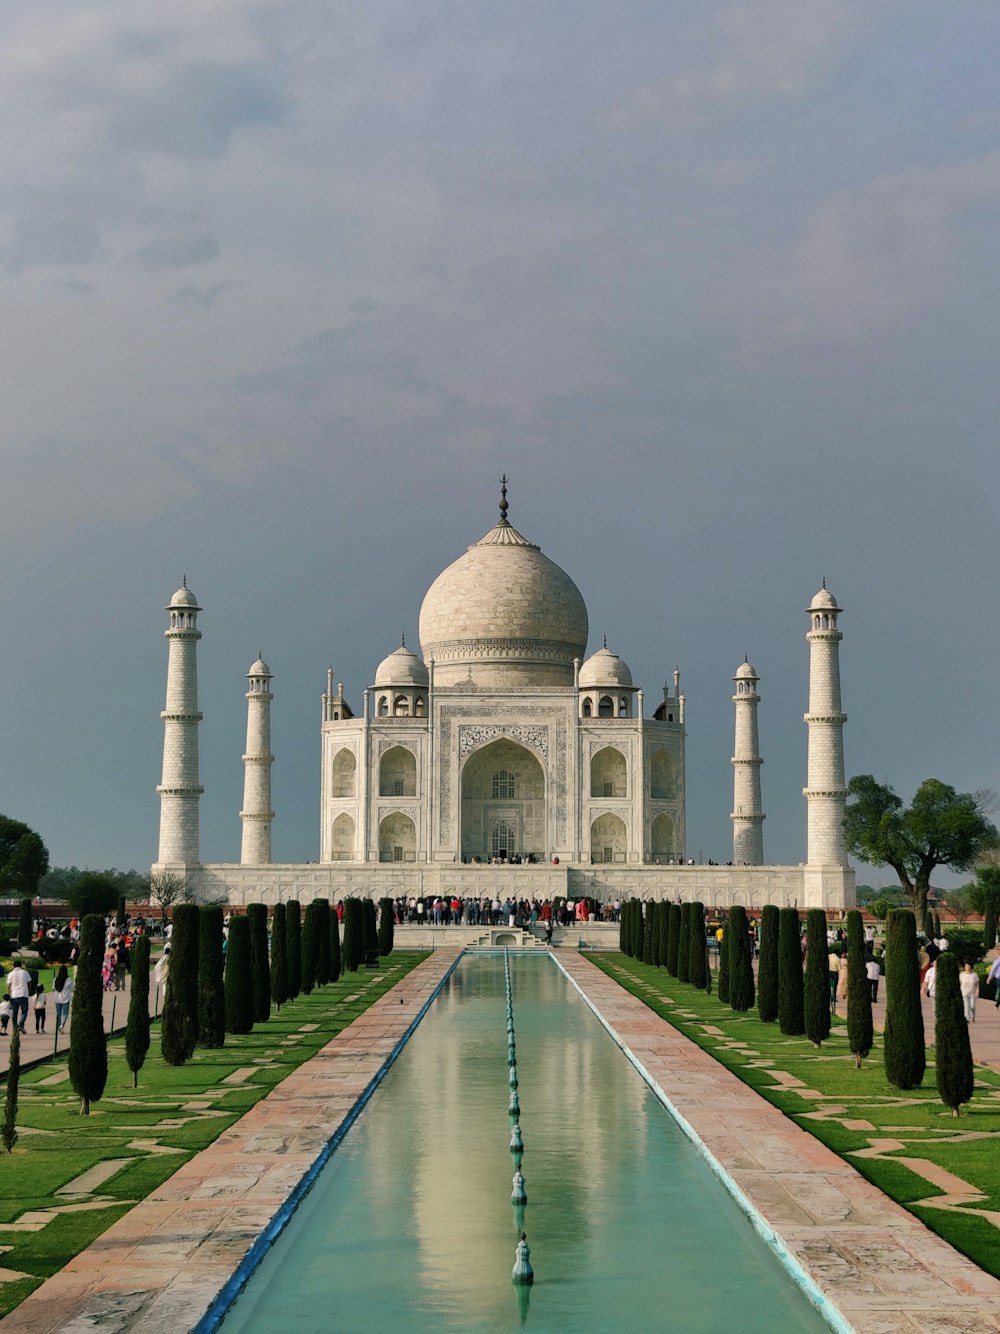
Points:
(454, 910)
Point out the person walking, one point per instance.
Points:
(62, 994)
(994, 976)
(968, 982)
(19, 987)
(40, 1002)
(873, 969)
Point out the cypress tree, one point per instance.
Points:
(211, 986)
(279, 956)
(336, 956)
(903, 1040)
(120, 912)
(817, 980)
(622, 923)
(663, 925)
(137, 1029)
(674, 939)
(633, 909)
(8, 1131)
(323, 943)
(239, 977)
(353, 947)
(791, 1019)
(638, 924)
(386, 927)
(260, 967)
(179, 1018)
(990, 920)
(952, 1048)
(741, 988)
(684, 945)
(927, 926)
(653, 908)
(88, 1049)
(708, 970)
(697, 973)
(24, 923)
(293, 946)
(369, 933)
(723, 983)
(860, 1031)
(647, 932)
(767, 966)
(310, 947)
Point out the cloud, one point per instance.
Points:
(201, 297)
(51, 238)
(177, 252)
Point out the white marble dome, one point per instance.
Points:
(184, 598)
(401, 668)
(604, 668)
(745, 672)
(823, 601)
(503, 614)
(259, 668)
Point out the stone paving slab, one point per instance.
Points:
(878, 1265)
(161, 1266)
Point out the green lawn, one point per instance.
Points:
(175, 1111)
(967, 1146)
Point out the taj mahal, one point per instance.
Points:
(503, 759)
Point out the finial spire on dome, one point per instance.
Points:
(402, 639)
(503, 499)
(184, 581)
(605, 639)
(824, 581)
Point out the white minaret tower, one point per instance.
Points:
(825, 791)
(747, 817)
(256, 813)
(180, 792)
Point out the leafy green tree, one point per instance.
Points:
(179, 1019)
(120, 910)
(369, 933)
(386, 927)
(860, 1031)
(684, 945)
(310, 946)
(353, 944)
(94, 892)
(293, 946)
(323, 943)
(260, 966)
(791, 1016)
(336, 955)
(239, 976)
(722, 985)
(903, 1040)
(24, 859)
(137, 1028)
(8, 1130)
(940, 827)
(741, 987)
(88, 1047)
(767, 966)
(24, 923)
(952, 1049)
(984, 896)
(697, 972)
(674, 939)
(211, 983)
(279, 956)
(818, 1003)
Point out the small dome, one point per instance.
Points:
(824, 600)
(401, 668)
(745, 672)
(184, 598)
(605, 668)
(260, 668)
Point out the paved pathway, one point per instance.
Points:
(160, 1267)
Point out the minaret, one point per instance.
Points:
(180, 792)
(747, 817)
(825, 791)
(256, 813)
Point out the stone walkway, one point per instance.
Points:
(878, 1265)
(161, 1266)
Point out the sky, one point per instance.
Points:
(288, 284)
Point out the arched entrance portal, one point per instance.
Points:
(503, 804)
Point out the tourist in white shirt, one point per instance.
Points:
(19, 987)
(968, 982)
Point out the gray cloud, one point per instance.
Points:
(177, 252)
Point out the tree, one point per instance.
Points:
(959, 903)
(353, 949)
(903, 1039)
(120, 911)
(94, 892)
(940, 827)
(952, 1048)
(239, 976)
(386, 927)
(24, 923)
(260, 967)
(860, 1031)
(24, 859)
(741, 989)
(622, 928)
(767, 967)
(279, 956)
(323, 943)
(179, 1019)
(663, 927)
(137, 1029)
(791, 1017)
(211, 984)
(674, 939)
(166, 889)
(817, 1001)
(336, 957)
(647, 932)
(723, 980)
(637, 929)
(88, 1047)
(310, 946)
(684, 945)
(985, 897)
(369, 933)
(293, 946)
(697, 973)
(8, 1131)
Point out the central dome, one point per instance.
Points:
(503, 615)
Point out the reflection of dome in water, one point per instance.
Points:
(503, 614)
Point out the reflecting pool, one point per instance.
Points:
(410, 1226)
